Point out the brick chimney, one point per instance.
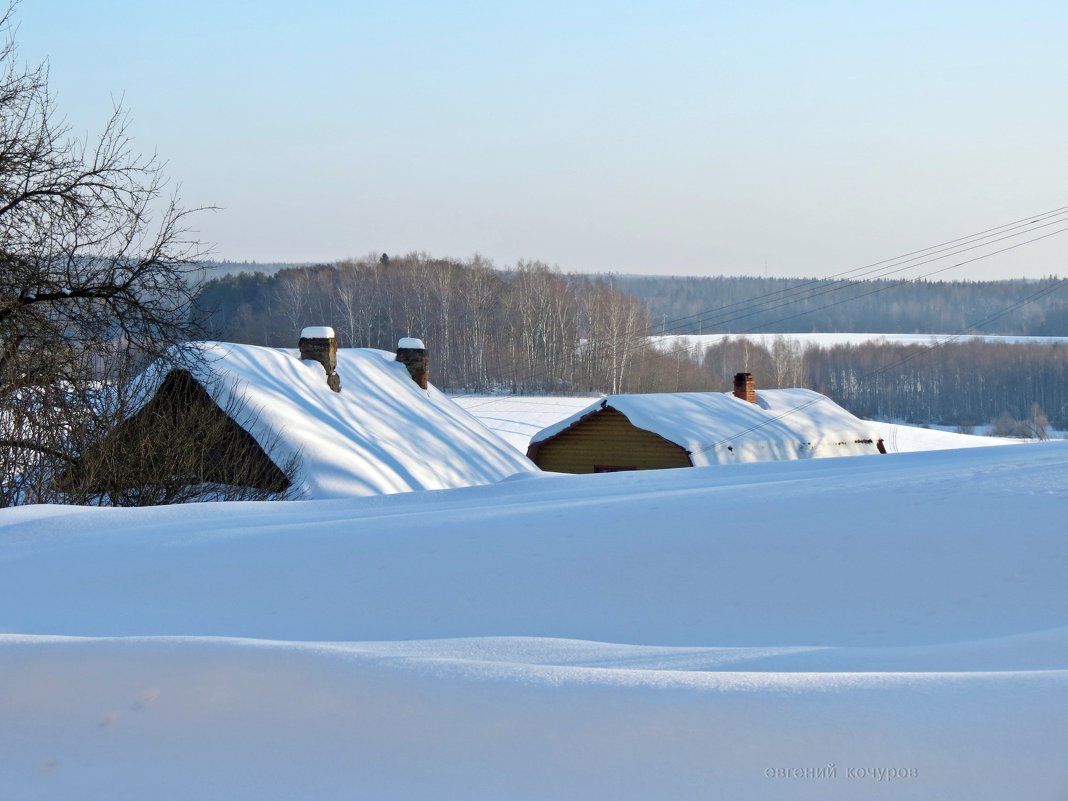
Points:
(412, 353)
(744, 388)
(318, 344)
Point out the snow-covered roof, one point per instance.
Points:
(717, 428)
(380, 434)
(516, 418)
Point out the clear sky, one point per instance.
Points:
(641, 137)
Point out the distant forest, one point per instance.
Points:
(1017, 387)
(529, 329)
(535, 329)
(722, 304)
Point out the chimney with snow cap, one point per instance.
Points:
(412, 353)
(744, 387)
(318, 344)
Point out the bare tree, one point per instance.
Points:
(616, 324)
(96, 267)
(478, 296)
(787, 358)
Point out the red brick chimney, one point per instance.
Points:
(412, 353)
(318, 344)
(744, 388)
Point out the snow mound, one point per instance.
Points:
(729, 631)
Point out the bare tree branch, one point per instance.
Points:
(97, 271)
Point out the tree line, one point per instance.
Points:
(959, 383)
(527, 329)
(1017, 388)
(742, 304)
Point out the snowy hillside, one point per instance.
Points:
(683, 634)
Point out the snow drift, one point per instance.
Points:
(729, 631)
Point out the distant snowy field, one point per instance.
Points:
(831, 340)
(517, 418)
(724, 632)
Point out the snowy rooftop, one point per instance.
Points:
(719, 428)
(516, 418)
(380, 434)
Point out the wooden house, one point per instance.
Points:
(313, 422)
(644, 432)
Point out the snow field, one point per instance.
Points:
(673, 634)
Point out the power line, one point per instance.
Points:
(911, 256)
(834, 286)
(893, 265)
(879, 289)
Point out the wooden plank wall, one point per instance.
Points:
(607, 438)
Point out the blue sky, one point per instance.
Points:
(667, 137)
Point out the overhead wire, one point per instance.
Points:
(893, 266)
(878, 289)
(697, 317)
